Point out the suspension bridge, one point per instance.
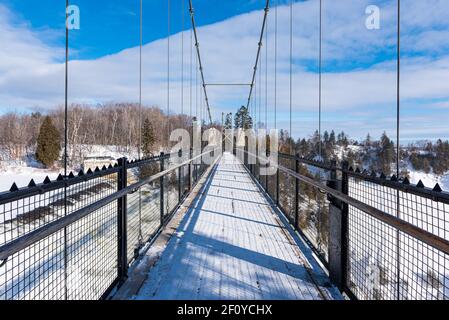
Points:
(221, 229)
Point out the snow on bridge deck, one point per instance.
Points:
(233, 245)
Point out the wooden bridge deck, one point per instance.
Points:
(232, 244)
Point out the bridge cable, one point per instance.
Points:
(266, 78)
(253, 100)
(267, 8)
(168, 83)
(320, 78)
(140, 237)
(66, 92)
(398, 88)
(66, 140)
(140, 80)
(182, 57)
(196, 88)
(191, 70)
(192, 16)
(398, 113)
(260, 92)
(291, 72)
(168, 70)
(275, 61)
(201, 105)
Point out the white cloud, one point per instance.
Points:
(360, 74)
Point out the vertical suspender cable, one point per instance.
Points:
(66, 92)
(196, 89)
(266, 78)
(182, 57)
(291, 69)
(168, 70)
(275, 61)
(398, 109)
(140, 79)
(140, 238)
(168, 85)
(255, 100)
(191, 69)
(398, 89)
(66, 100)
(320, 79)
(201, 107)
(260, 92)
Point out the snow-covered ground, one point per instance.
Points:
(91, 240)
(430, 179)
(22, 175)
(374, 247)
(21, 172)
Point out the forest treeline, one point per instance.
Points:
(108, 125)
(377, 155)
(117, 125)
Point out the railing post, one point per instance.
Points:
(256, 168)
(122, 222)
(337, 227)
(190, 168)
(277, 185)
(180, 177)
(345, 226)
(296, 191)
(195, 167)
(161, 183)
(266, 170)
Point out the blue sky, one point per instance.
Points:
(109, 26)
(359, 78)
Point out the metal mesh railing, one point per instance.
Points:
(91, 265)
(385, 263)
(287, 189)
(402, 257)
(43, 270)
(63, 239)
(305, 206)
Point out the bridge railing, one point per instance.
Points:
(76, 237)
(380, 238)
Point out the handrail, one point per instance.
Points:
(72, 179)
(401, 225)
(39, 234)
(61, 182)
(435, 194)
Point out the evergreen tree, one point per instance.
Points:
(48, 143)
(228, 121)
(147, 138)
(440, 162)
(242, 119)
(303, 148)
(386, 153)
(368, 140)
(332, 138)
(326, 137)
(342, 139)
